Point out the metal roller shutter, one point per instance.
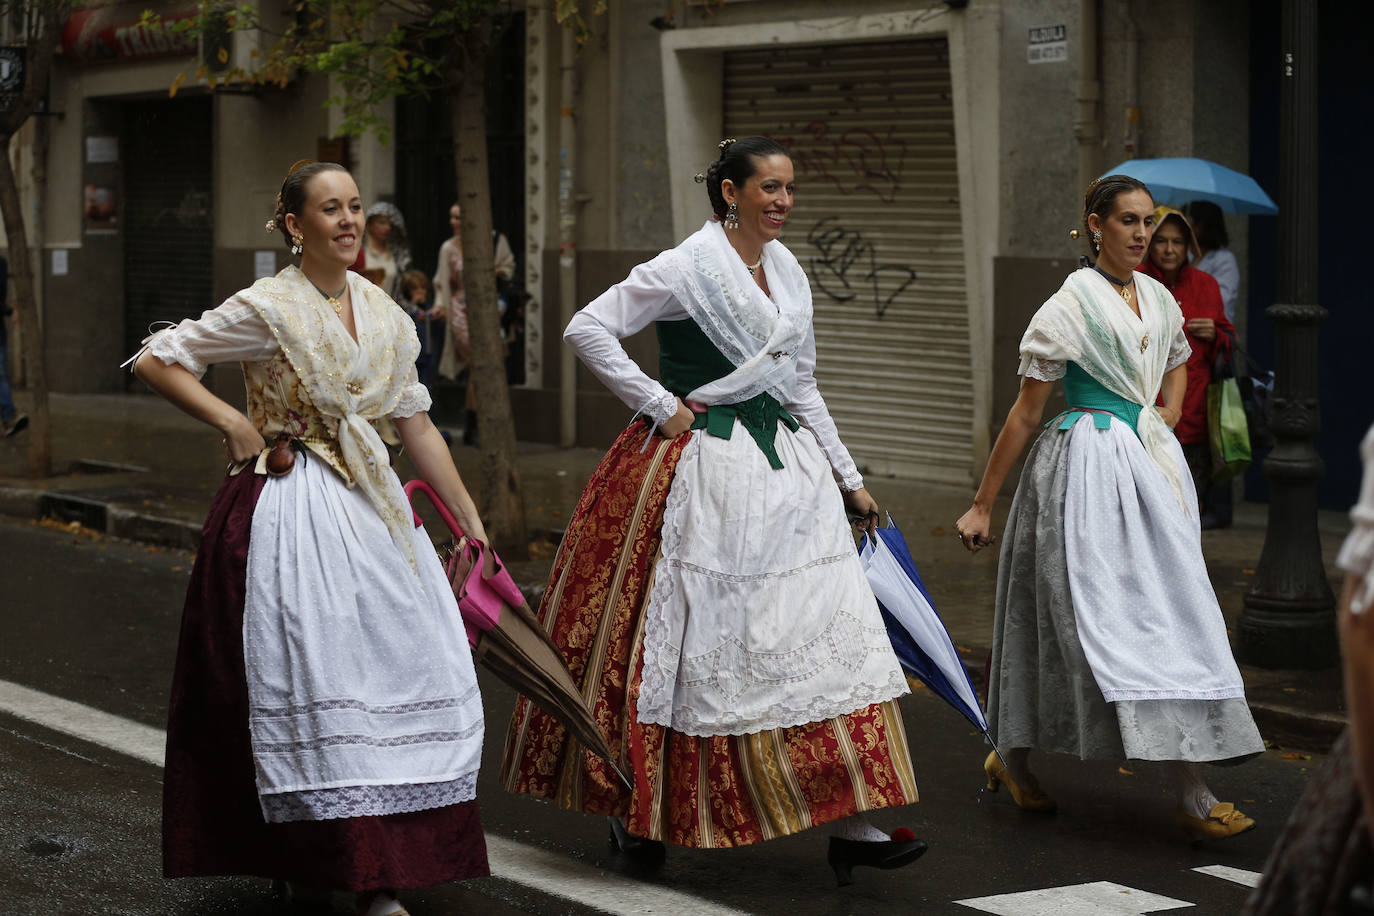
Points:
(168, 223)
(877, 228)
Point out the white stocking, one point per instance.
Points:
(857, 827)
(1193, 795)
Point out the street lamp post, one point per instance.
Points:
(1289, 618)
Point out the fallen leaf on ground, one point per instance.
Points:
(1125, 772)
(1294, 755)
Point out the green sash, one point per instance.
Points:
(687, 360)
(1086, 394)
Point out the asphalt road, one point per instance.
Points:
(94, 620)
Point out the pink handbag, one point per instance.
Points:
(478, 578)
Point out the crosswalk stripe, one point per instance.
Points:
(1099, 898)
(1227, 873)
(540, 869)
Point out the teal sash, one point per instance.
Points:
(1086, 395)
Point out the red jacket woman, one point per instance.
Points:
(1204, 318)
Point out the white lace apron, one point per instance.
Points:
(760, 616)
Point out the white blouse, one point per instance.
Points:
(643, 298)
(234, 332)
(1357, 553)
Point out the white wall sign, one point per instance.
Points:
(264, 264)
(102, 149)
(1048, 44)
(59, 262)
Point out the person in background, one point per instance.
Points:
(1209, 335)
(429, 324)
(11, 420)
(1213, 257)
(385, 252)
(450, 292)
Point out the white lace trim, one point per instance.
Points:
(414, 399)
(1045, 370)
(1179, 351)
(851, 481)
(730, 669)
(367, 801)
(167, 346)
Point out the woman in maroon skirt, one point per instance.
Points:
(325, 727)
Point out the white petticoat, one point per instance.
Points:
(760, 616)
(362, 695)
(1147, 616)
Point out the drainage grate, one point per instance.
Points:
(67, 508)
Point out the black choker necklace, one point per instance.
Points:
(1121, 284)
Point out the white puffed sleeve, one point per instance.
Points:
(809, 408)
(232, 333)
(626, 308)
(1357, 553)
(414, 398)
(1179, 351)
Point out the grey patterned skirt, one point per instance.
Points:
(1042, 693)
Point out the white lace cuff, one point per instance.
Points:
(1178, 353)
(1045, 370)
(660, 409)
(851, 482)
(166, 345)
(414, 398)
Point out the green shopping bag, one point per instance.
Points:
(1227, 429)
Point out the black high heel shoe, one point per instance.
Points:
(639, 848)
(844, 855)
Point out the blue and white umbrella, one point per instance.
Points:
(1180, 181)
(918, 635)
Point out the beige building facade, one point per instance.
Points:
(940, 148)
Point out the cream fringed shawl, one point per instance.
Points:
(349, 382)
(1087, 323)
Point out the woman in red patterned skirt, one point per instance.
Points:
(325, 726)
(707, 594)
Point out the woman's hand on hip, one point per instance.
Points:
(679, 423)
(974, 529)
(242, 441)
(863, 509)
(1170, 415)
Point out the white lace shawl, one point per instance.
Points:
(352, 382)
(1357, 553)
(1087, 322)
(762, 337)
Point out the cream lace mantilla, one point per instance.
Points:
(353, 382)
(1087, 323)
(761, 336)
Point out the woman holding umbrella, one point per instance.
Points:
(325, 724)
(707, 592)
(1108, 641)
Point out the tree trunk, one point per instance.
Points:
(31, 336)
(498, 495)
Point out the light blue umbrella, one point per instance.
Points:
(1179, 181)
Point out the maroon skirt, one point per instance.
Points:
(211, 820)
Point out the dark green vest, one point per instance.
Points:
(687, 360)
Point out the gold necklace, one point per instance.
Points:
(334, 299)
(1126, 295)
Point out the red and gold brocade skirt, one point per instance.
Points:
(711, 792)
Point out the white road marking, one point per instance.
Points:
(132, 739)
(540, 869)
(1100, 898)
(1226, 872)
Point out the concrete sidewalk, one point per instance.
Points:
(133, 466)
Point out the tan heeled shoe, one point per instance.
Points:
(1221, 822)
(1030, 798)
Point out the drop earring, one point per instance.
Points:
(1097, 239)
(297, 244)
(732, 216)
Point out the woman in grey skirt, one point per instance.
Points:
(1108, 640)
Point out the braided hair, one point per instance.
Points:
(291, 197)
(1100, 198)
(736, 163)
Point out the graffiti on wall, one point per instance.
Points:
(845, 267)
(857, 160)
